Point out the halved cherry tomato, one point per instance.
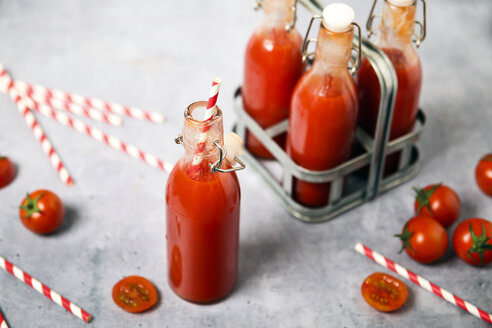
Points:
(134, 294)
(472, 241)
(7, 171)
(439, 202)
(42, 211)
(483, 174)
(424, 239)
(384, 292)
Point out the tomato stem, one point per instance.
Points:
(31, 205)
(423, 197)
(480, 245)
(405, 239)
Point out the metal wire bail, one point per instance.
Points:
(258, 4)
(421, 36)
(418, 38)
(370, 20)
(291, 25)
(215, 167)
(358, 59)
(306, 55)
(305, 45)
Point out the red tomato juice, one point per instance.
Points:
(321, 129)
(202, 233)
(273, 64)
(409, 76)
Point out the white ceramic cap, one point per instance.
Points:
(234, 146)
(401, 3)
(337, 17)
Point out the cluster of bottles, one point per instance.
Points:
(322, 104)
(325, 103)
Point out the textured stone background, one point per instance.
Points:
(162, 55)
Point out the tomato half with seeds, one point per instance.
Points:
(483, 174)
(7, 171)
(472, 241)
(384, 292)
(439, 202)
(134, 294)
(42, 211)
(424, 239)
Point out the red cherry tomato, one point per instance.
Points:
(134, 294)
(424, 239)
(472, 241)
(384, 292)
(439, 202)
(42, 211)
(7, 171)
(483, 174)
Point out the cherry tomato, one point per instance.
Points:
(439, 202)
(483, 174)
(134, 294)
(424, 239)
(384, 292)
(7, 171)
(472, 241)
(42, 211)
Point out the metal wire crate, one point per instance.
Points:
(351, 184)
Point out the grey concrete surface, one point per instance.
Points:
(162, 55)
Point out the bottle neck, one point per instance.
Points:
(277, 13)
(397, 25)
(333, 49)
(199, 137)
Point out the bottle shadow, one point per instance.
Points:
(439, 134)
(258, 257)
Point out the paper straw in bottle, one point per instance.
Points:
(209, 114)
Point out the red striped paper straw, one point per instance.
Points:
(37, 130)
(99, 135)
(114, 108)
(422, 282)
(45, 290)
(88, 112)
(209, 113)
(3, 323)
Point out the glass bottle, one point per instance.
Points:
(395, 39)
(202, 215)
(273, 64)
(324, 106)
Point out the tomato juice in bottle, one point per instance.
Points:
(273, 64)
(396, 30)
(202, 216)
(324, 107)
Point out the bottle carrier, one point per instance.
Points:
(359, 179)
